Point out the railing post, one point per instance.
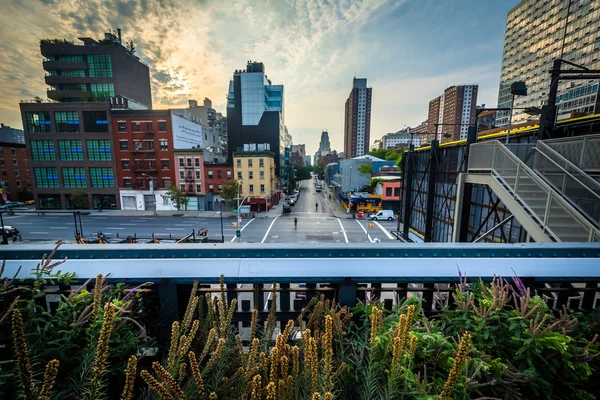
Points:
(347, 293)
(407, 186)
(231, 292)
(547, 210)
(431, 191)
(284, 297)
(168, 305)
(582, 157)
(259, 297)
(517, 180)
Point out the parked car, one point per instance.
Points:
(12, 204)
(30, 202)
(383, 214)
(292, 202)
(10, 231)
(287, 209)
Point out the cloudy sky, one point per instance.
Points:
(409, 50)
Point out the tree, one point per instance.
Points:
(230, 191)
(292, 183)
(365, 169)
(303, 172)
(319, 169)
(79, 198)
(130, 46)
(177, 196)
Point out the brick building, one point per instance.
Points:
(16, 177)
(216, 176)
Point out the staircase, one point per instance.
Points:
(545, 212)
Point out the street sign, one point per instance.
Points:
(239, 219)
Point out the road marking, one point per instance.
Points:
(388, 234)
(25, 223)
(343, 230)
(58, 227)
(241, 230)
(128, 224)
(112, 229)
(40, 233)
(269, 230)
(175, 229)
(363, 228)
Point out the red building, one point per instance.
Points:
(143, 142)
(15, 181)
(216, 176)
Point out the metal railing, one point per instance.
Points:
(556, 217)
(583, 151)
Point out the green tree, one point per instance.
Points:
(177, 196)
(303, 172)
(230, 191)
(130, 46)
(292, 184)
(79, 198)
(319, 169)
(365, 169)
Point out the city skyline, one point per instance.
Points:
(312, 49)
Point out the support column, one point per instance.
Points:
(433, 155)
(407, 197)
(467, 191)
(548, 116)
(169, 307)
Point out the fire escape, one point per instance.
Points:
(189, 179)
(140, 165)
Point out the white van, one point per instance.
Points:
(383, 214)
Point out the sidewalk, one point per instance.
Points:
(336, 208)
(273, 212)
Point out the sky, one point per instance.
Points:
(409, 50)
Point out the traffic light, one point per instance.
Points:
(234, 224)
(371, 226)
(238, 233)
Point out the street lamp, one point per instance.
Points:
(516, 89)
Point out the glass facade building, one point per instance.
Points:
(538, 32)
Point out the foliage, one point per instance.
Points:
(230, 191)
(177, 196)
(292, 183)
(374, 182)
(130, 47)
(496, 340)
(319, 169)
(79, 198)
(365, 169)
(387, 154)
(303, 173)
(55, 41)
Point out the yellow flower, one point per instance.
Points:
(98, 293)
(153, 384)
(49, 378)
(102, 348)
(174, 345)
(459, 359)
(196, 372)
(328, 396)
(254, 324)
(295, 360)
(271, 391)
(328, 352)
(130, 373)
(22, 352)
(217, 354)
(213, 396)
(256, 388)
(168, 380)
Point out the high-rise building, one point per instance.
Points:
(255, 112)
(70, 138)
(451, 113)
(95, 71)
(324, 146)
(535, 36)
(300, 149)
(357, 121)
(11, 135)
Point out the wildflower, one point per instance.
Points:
(274, 359)
(208, 345)
(396, 353)
(328, 396)
(130, 372)
(190, 310)
(223, 326)
(49, 378)
(217, 354)
(174, 345)
(264, 363)
(168, 380)
(316, 396)
(153, 384)
(196, 372)
(186, 341)
(314, 364)
(213, 396)
(252, 356)
(254, 324)
(232, 309)
(22, 352)
(295, 360)
(413, 345)
(272, 318)
(102, 348)
(461, 355)
(181, 374)
(328, 352)
(98, 293)
(285, 365)
(256, 387)
(376, 324)
(271, 391)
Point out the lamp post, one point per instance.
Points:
(239, 231)
(516, 89)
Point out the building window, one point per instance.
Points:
(100, 65)
(38, 122)
(164, 145)
(72, 72)
(99, 150)
(182, 187)
(167, 183)
(197, 174)
(210, 174)
(15, 163)
(181, 163)
(239, 175)
(220, 187)
(397, 192)
(148, 126)
(189, 162)
(162, 126)
(18, 184)
(261, 162)
(238, 163)
(262, 188)
(262, 174)
(181, 175)
(149, 145)
(125, 164)
(137, 145)
(127, 182)
(46, 177)
(42, 150)
(66, 121)
(251, 190)
(122, 127)
(388, 191)
(74, 177)
(17, 174)
(164, 164)
(102, 177)
(70, 150)
(95, 121)
(123, 145)
(249, 162)
(250, 175)
(211, 188)
(136, 126)
(196, 162)
(198, 188)
(102, 91)
(228, 174)
(219, 174)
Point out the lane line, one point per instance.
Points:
(363, 228)
(343, 230)
(128, 224)
(387, 233)
(40, 233)
(175, 229)
(241, 230)
(58, 227)
(269, 230)
(112, 229)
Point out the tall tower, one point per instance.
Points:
(357, 122)
(324, 146)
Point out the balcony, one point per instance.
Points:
(142, 150)
(59, 94)
(54, 65)
(140, 167)
(189, 178)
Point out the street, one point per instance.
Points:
(315, 225)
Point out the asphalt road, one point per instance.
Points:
(315, 225)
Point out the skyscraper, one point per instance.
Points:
(357, 121)
(535, 36)
(451, 113)
(324, 146)
(255, 112)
